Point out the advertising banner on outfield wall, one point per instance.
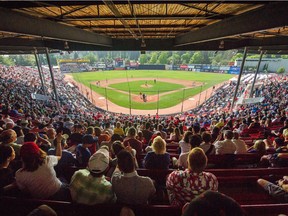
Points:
(234, 70)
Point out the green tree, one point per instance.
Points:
(217, 59)
(185, 58)
(24, 60)
(197, 58)
(143, 59)
(174, 59)
(154, 57)
(281, 70)
(91, 57)
(284, 56)
(6, 60)
(163, 58)
(254, 56)
(53, 59)
(76, 55)
(237, 56)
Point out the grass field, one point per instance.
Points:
(165, 100)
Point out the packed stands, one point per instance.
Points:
(237, 174)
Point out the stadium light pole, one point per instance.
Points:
(256, 73)
(239, 78)
(52, 78)
(40, 74)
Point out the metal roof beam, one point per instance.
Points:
(118, 15)
(157, 26)
(33, 4)
(269, 16)
(15, 22)
(143, 17)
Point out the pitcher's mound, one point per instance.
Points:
(146, 86)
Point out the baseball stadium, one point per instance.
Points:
(143, 108)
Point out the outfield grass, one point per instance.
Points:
(165, 101)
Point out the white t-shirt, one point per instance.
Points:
(225, 147)
(241, 147)
(182, 160)
(41, 183)
(185, 147)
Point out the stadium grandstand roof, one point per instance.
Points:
(142, 25)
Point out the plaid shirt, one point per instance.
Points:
(183, 186)
(89, 190)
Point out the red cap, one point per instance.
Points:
(28, 149)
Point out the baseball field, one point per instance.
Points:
(148, 90)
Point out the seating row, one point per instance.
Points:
(20, 207)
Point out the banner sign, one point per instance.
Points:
(40, 97)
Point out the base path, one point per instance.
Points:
(101, 102)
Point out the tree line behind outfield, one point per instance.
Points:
(150, 57)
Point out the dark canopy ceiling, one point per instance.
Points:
(142, 25)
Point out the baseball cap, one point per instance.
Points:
(88, 139)
(28, 149)
(24, 121)
(99, 161)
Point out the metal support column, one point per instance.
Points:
(200, 95)
(41, 70)
(256, 73)
(182, 100)
(52, 78)
(91, 93)
(40, 74)
(129, 101)
(239, 78)
(106, 99)
(158, 103)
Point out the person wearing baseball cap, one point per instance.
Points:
(37, 176)
(89, 186)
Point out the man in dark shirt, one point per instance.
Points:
(82, 150)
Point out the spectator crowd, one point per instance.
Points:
(39, 140)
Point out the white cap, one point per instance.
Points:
(99, 161)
